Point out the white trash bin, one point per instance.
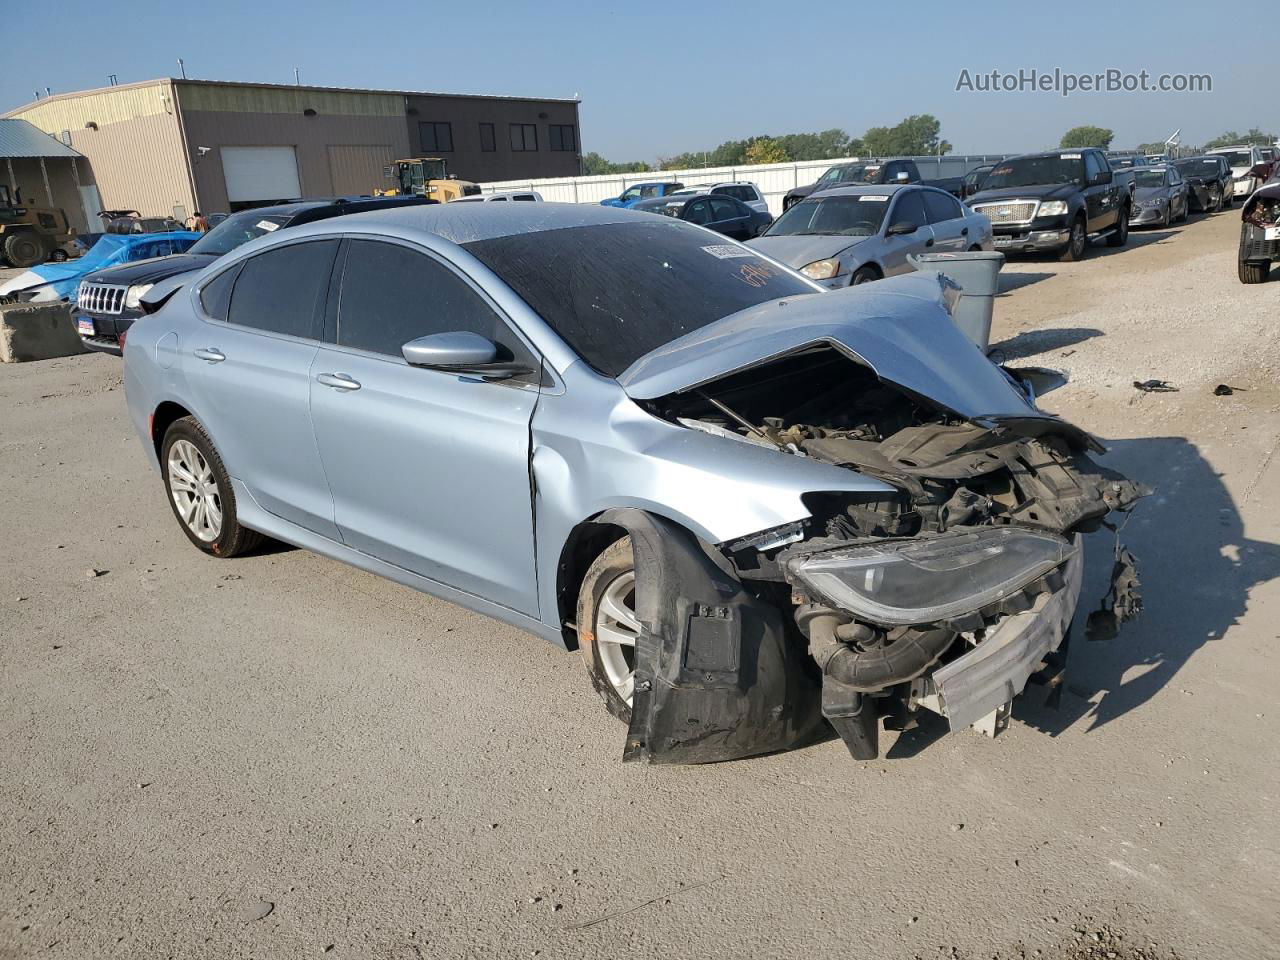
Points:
(977, 272)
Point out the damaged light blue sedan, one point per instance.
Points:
(758, 510)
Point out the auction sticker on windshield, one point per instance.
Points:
(1068, 156)
(727, 251)
(874, 199)
(267, 225)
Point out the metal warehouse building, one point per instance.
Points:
(170, 147)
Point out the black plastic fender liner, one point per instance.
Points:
(717, 676)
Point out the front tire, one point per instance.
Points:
(1254, 271)
(1074, 250)
(608, 627)
(864, 275)
(1215, 199)
(200, 492)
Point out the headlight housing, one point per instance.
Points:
(901, 582)
(821, 269)
(133, 296)
(1053, 208)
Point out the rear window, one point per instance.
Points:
(614, 292)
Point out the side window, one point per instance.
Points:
(941, 206)
(699, 212)
(215, 297)
(391, 295)
(631, 193)
(651, 190)
(909, 208)
(1091, 166)
(280, 291)
(722, 208)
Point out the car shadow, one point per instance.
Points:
(1099, 248)
(1032, 342)
(1197, 569)
(1016, 281)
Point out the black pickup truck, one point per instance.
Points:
(869, 172)
(1055, 202)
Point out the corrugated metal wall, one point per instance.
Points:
(351, 166)
(772, 179)
(135, 155)
(236, 98)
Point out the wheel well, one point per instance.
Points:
(163, 419)
(586, 541)
(872, 266)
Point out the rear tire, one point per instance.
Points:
(25, 249)
(1254, 271)
(1120, 236)
(200, 493)
(606, 622)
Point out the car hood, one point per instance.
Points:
(798, 251)
(899, 327)
(1047, 191)
(149, 271)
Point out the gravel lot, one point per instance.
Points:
(280, 756)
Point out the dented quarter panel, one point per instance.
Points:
(624, 457)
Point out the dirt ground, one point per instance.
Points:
(280, 757)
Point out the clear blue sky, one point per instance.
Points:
(660, 78)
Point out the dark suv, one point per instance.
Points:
(109, 301)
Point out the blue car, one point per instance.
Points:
(641, 191)
(60, 281)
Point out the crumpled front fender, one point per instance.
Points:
(720, 673)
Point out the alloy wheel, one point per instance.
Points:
(194, 491)
(616, 630)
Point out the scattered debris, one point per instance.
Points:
(233, 576)
(1155, 386)
(255, 911)
(957, 827)
(94, 572)
(1225, 390)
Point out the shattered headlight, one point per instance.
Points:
(899, 582)
(1052, 208)
(133, 296)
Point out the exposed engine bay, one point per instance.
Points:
(948, 595)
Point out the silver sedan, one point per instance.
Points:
(754, 507)
(851, 235)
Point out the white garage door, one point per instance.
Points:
(260, 173)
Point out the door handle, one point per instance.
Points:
(339, 381)
(212, 354)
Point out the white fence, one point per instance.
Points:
(773, 179)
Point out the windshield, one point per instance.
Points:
(832, 216)
(236, 229)
(1036, 171)
(614, 292)
(857, 173)
(1238, 158)
(1149, 178)
(1198, 168)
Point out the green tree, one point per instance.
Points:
(915, 136)
(766, 150)
(593, 164)
(1254, 136)
(1087, 136)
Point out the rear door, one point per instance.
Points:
(908, 207)
(946, 220)
(429, 470)
(730, 217)
(249, 369)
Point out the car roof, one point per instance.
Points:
(867, 190)
(469, 222)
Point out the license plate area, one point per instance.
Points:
(84, 326)
(1273, 233)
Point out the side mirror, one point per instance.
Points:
(901, 229)
(1101, 178)
(460, 351)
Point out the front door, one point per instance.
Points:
(429, 470)
(249, 376)
(908, 207)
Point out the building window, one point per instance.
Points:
(488, 140)
(524, 137)
(436, 137)
(562, 137)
